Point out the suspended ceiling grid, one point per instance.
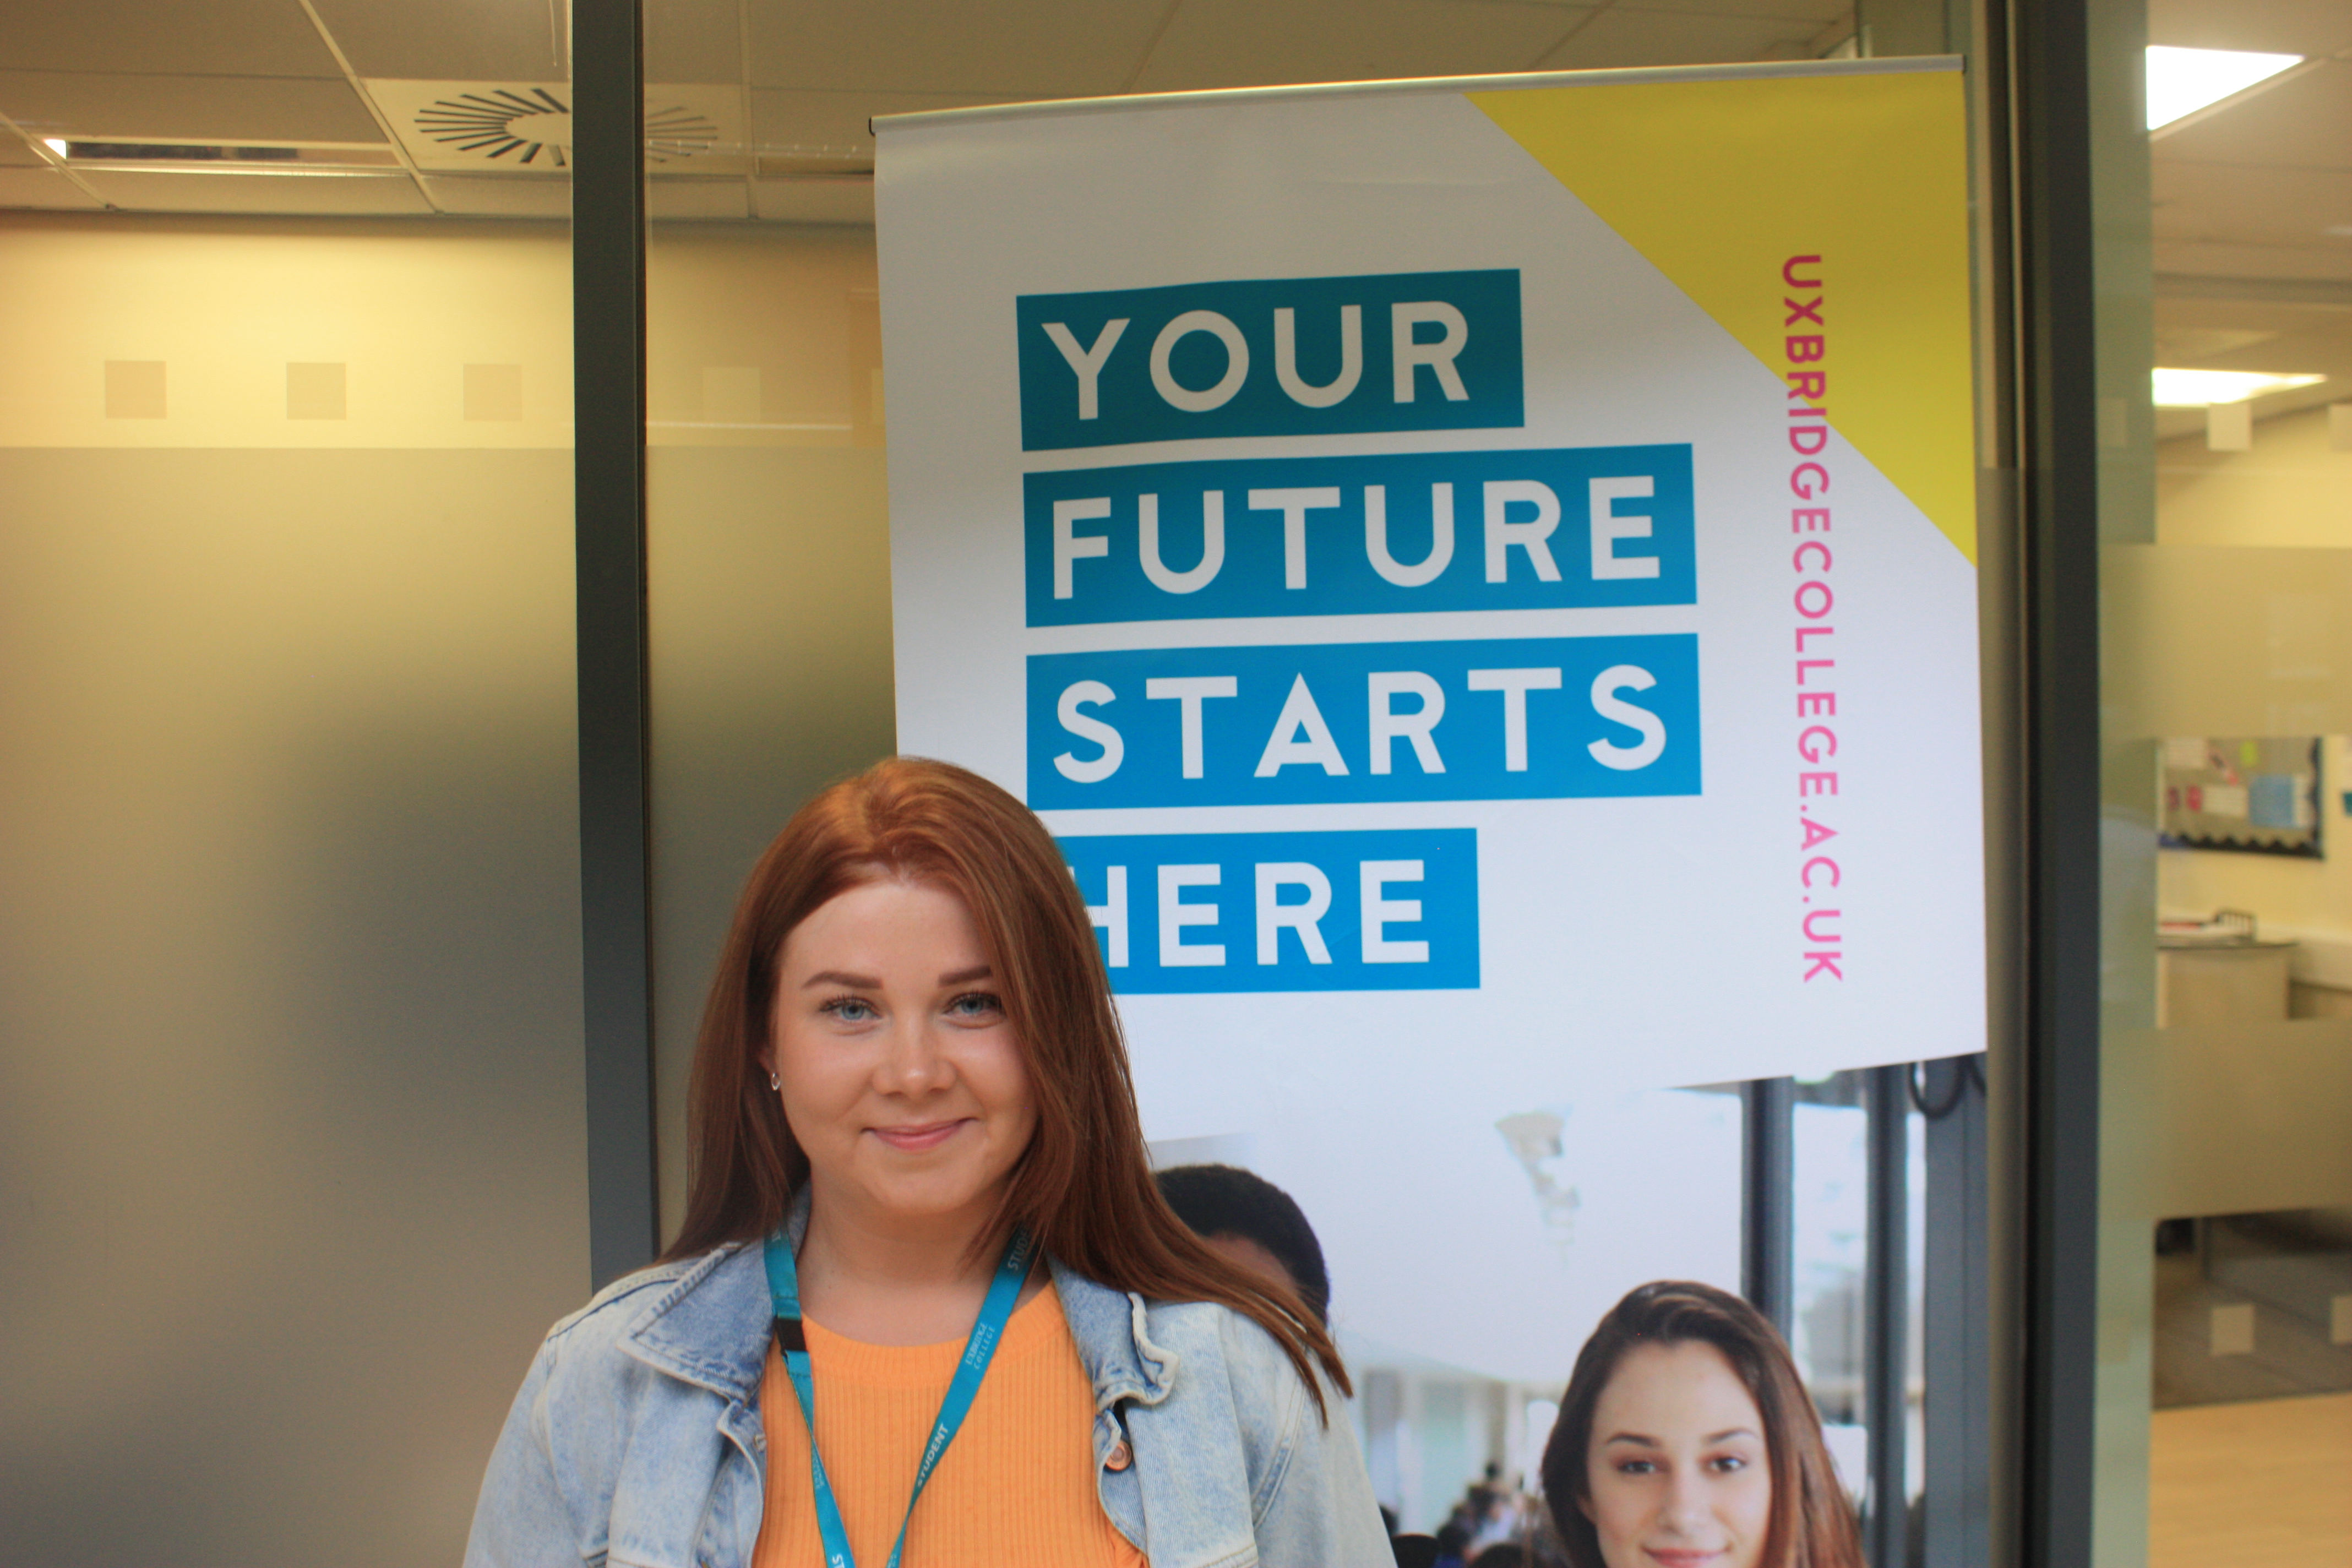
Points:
(784, 91)
(2253, 218)
(2252, 221)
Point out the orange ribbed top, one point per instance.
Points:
(1017, 1486)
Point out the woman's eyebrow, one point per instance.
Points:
(1727, 1435)
(1635, 1437)
(835, 977)
(965, 976)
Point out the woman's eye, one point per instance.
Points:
(975, 1005)
(1637, 1467)
(1726, 1464)
(850, 1009)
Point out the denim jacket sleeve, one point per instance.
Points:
(1312, 1500)
(1235, 1464)
(611, 1456)
(525, 1519)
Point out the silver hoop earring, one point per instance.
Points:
(775, 1082)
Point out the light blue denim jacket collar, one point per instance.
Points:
(709, 1327)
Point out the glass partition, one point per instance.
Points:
(2225, 1312)
(770, 638)
(292, 1171)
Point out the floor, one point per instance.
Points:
(2284, 1288)
(2266, 1484)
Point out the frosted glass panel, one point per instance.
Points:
(768, 580)
(291, 1110)
(767, 608)
(293, 1169)
(2226, 694)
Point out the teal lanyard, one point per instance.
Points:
(785, 1295)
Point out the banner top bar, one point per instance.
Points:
(1512, 82)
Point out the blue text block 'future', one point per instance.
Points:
(1551, 528)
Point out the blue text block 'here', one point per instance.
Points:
(1386, 909)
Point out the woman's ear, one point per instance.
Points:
(1584, 1507)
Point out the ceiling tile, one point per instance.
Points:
(2206, 346)
(229, 37)
(811, 119)
(482, 127)
(2265, 207)
(1249, 43)
(1815, 13)
(2276, 26)
(2207, 259)
(2293, 339)
(685, 201)
(693, 40)
(815, 201)
(16, 152)
(185, 108)
(450, 40)
(475, 127)
(493, 195)
(41, 188)
(1045, 48)
(301, 196)
(2303, 123)
(1622, 37)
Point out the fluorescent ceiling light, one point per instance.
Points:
(2202, 388)
(2183, 81)
(55, 144)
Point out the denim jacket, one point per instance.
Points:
(635, 1439)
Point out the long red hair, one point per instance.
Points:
(1084, 1188)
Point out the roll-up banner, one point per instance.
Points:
(1480, 577)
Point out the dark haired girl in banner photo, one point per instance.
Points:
(926, 1304)
(1686, 1440)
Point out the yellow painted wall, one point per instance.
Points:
(2291, 491)
(226, 304)
(764, 336)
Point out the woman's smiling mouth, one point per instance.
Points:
(915, 1137)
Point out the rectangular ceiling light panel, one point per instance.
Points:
(2203, 388)
(2183, 81)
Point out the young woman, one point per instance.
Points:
(926, 1305)
(1686, 1440)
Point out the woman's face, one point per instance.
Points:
(901, 1076)
(1677, 1469)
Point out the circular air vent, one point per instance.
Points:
(533, 126)
(676, 132)
(492, 125)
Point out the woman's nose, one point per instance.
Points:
(913, 1063)
(1686, 1505)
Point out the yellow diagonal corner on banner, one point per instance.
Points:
(1719, 183)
